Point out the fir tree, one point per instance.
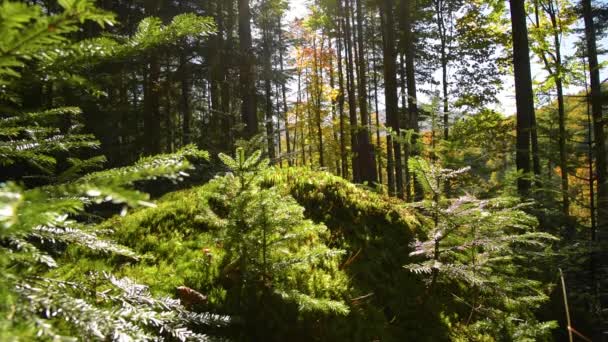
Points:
(483, 253)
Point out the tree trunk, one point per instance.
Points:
(410, 73)
(404, 121)
(332, 84)
(523, 93)
(284, 93)
(376, 109)
(367, 163)
(152, 116)
(598, 124)
(444, 66)
(247, 71)
(391, 100)
(352, 107)
(215, 74)
(318, 80)
(226, 65)
(343, 156)
(185, 101)
(268, 92)
(556, 71)
(599, 263)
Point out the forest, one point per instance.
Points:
(303, 170)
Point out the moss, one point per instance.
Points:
(376, 231)
(181, 241)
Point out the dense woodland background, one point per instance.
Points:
(376, 192)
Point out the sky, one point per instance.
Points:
(506, 105)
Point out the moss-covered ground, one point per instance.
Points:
(181, 242)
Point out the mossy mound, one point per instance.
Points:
(181, 242)
(376, 230)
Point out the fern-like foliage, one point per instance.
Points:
(35, 223)
(129, 312)
(27, 34)
(65, 63)
(271, 249)
(40, 219)
(486, 252)
(36, 140)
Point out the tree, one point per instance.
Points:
(274, 250)
(560, 17)
(468, 246)
(523, 93)
(601, 235)
(266, 23)
(391, 100)
(247, 71)
(38, 223)
(406, 24)
(366, 157)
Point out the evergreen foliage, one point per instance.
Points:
(249, 250)
(272, 249)
(483, 255)
(38, 224)
(28, 34)
(45, 214)
(376, 231)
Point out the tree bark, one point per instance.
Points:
(247, 71)
(391, 100)
(226, 65)
(410, 73)
(318, 80)
(284, 94)
(352, 106)
(599, 263)
(343, 155)
(523, 93)
(378, 141)
(185, 101)
(598, 124)
(152, 116)
(269, 122)
(367, 163)
(332, 84)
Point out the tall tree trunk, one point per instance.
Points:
(343, 155)
(152, 116)
(408, 7)
(185, 101)
(247, 71)
(303, 122)
(376, 109)
(352, 107)
(284, 93)
(523, 93)
(391, 99)
(599, 263)
(441, 29)
(555, 70)
(318, 80)
(367, 163)
(226, 65)
(598, 124)
(563, 158)
(215, 74)
(332, 84)
(278, 125)
(309, 117)
(404, 121)
(268, 92)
